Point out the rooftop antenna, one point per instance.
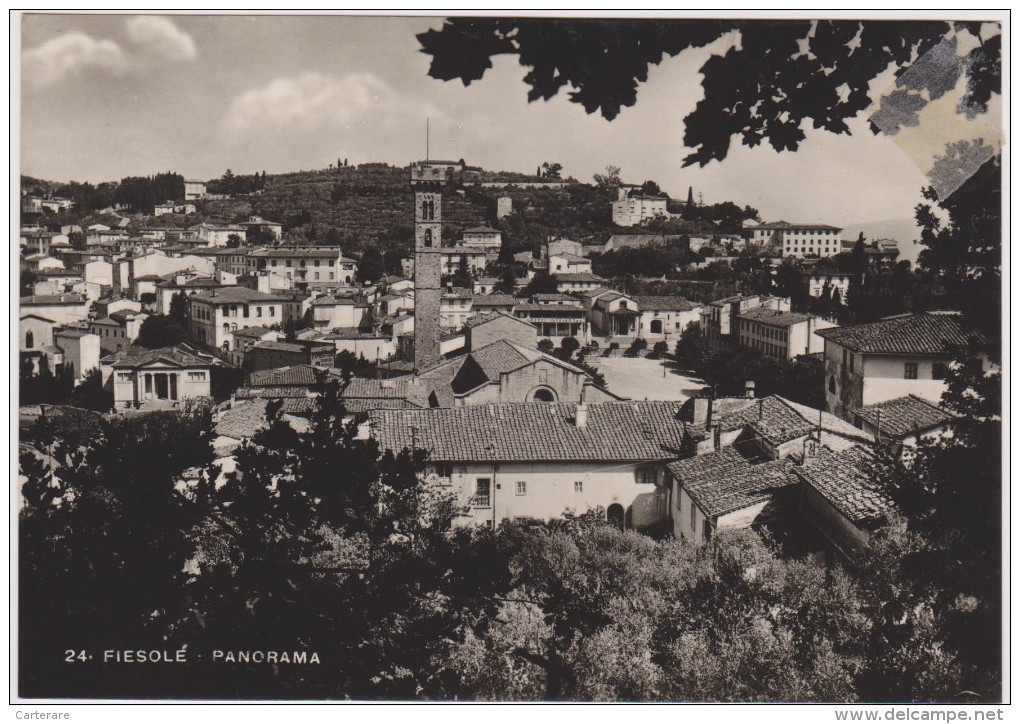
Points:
(426, 139)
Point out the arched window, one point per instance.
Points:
(543, 394)
(832, 384)
(29, 340)
(226, 328)
(623, 302)
(428, 237)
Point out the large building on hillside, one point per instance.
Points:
(799, 240)
(634, 210)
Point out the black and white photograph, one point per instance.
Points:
(428, 357)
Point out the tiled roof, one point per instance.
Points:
(271, 393)
(774, 317)
(235, 295)
(246, 418)
(458, 293)
(466, 250)
(677, 304)
(846, 481)
(570, 257)
(778, 419)
(788, 225)
(305, 375)
(254, 332)
(481, 230)
(329, 300)
(363, 395)
(348, 333)
(323, 252)
(577, 277)
(494, 300)
(553, 297)
(905, 334)
(903, 416)
(615, 431)
(49, 299)
(558, 309)
(724, 481)
(138, 357)
(480, 319)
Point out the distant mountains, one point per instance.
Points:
(905, 231)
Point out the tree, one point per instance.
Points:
(179, 309)
(90, 394)
(603, 61)
(507, 283)
(462, 277)
(660, 349)
(546, 346)
(160, 331)
(370, 267)
(569, 345)
(233, 241)
(610, 179)
(551, 170)
(541, 283)
(650, 188)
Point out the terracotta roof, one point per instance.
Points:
(845, 480)
(527, 432)
(348, 333)
(271, 393)
(774, 317)
(494, 300)
(363, 395)
(480, 319)
(49, 299)
(305, 375)
(925, 333)
(903, 416)
(788, 225)
(550, 308)
(724, 481)
(138, 357)
(678, 304)
(254, 332)
(778, 419)
(323, 252)
(235, 295)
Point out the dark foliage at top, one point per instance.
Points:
(759, 93)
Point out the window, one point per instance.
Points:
(258, 311)
(444, 470)
(647, 475)
(483, 497)
(521, 488)
(245, 310)
(832, 384)
(123, 377)
(272, 311)
(29, 339)
(910, 370)
(578, 486)
(196, 376)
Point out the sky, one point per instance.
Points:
(107, 96)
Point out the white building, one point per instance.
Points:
(799, 240)
(908, 354)
(194, 189)
(483, 237)
(780, 334)
(634, 210)
(157, 378)
(533, 460)
(213, 316)
(219, 235)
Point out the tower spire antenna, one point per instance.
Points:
(426, 138)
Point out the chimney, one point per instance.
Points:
(749, 389)
(702, 410)
(581, 416)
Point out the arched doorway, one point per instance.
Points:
(616, 515)
(543, 394)
(656, 326)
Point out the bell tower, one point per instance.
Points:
(428, 180)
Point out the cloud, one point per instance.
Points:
(70, 55)
(159, 36)
(314, 101)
